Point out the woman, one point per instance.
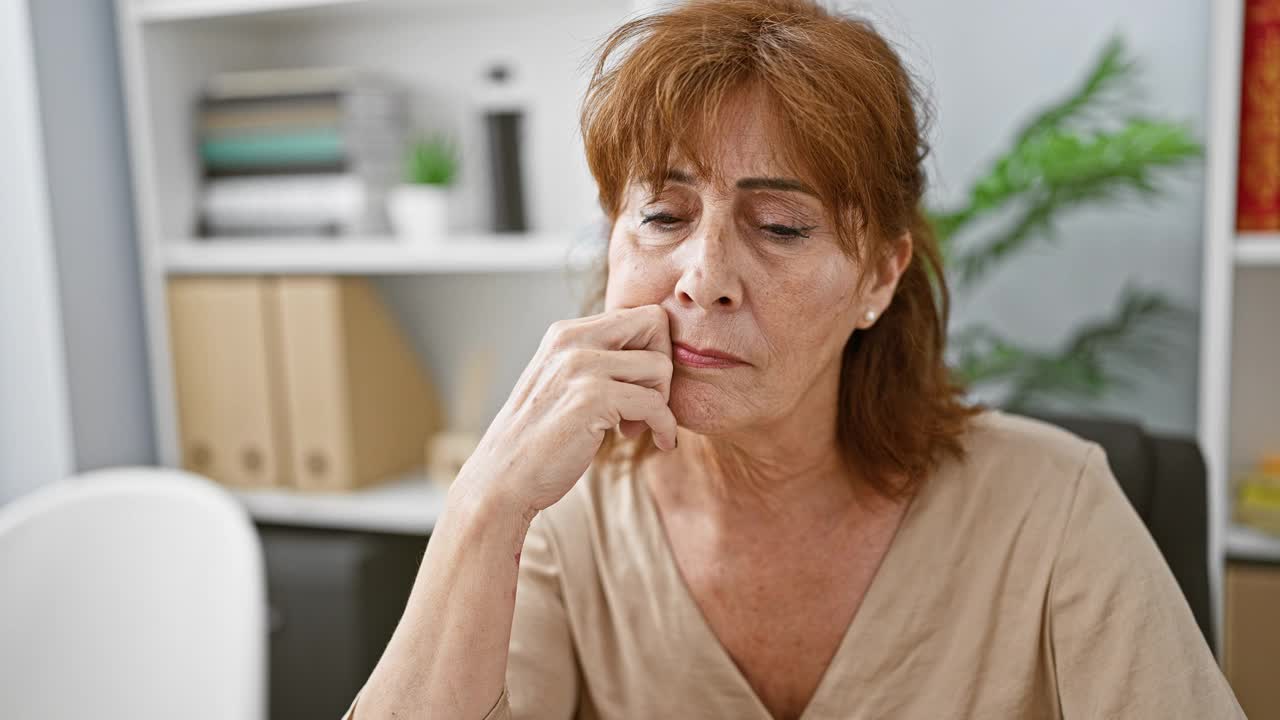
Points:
(787, 510)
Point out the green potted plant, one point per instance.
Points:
(419, 207)
(1092, 148)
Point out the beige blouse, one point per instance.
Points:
(1020, 584)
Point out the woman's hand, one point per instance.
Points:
(448, 655)
(588, 376)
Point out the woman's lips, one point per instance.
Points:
(695, 357)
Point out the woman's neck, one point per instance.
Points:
(786, 471)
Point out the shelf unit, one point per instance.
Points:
(377, 256)
(471, 290)
(1239, 414)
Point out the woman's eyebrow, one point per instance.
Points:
(750, 183)
(680, 176)
(769, 183)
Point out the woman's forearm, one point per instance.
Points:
(448, 655)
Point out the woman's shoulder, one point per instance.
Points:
(1008, 451)
(1010, 438)
(1003, 512)
(1032, 461)
(1017, 468)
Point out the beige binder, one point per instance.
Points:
(226, 380)
(359, 405)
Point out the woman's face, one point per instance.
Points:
(748, 267)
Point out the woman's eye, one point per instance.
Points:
(786, 233)
(662, 221)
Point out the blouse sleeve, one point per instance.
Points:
(543, 679)
(542, 674)
(1124, 641)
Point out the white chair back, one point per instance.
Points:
(132, 593)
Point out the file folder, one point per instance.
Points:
(231, 415)
(360, 406)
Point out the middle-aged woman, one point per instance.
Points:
(747, 488)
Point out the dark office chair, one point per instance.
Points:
(1165, 479)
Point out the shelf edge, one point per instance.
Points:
(408, 505)
(537, 254)
(1257, 249)
(213, 9)
(1252, 545)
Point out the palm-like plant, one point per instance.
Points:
(1084, 150)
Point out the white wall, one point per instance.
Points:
(35, 436)
(991, 63)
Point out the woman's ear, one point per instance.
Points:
(889, 266)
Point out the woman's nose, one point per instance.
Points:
(709, 277)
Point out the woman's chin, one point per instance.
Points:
(701, 407)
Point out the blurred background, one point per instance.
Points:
(303, 249)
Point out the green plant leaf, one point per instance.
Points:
(1058, 171)
(1084, 150)
(432, 161)
(1099, 357)
(1113, 72)
(1100, 94)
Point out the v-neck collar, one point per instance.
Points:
(872, 605)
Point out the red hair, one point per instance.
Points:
(850, 121)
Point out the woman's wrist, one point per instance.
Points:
(488, 502)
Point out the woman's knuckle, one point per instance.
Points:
(577, 360)
(560, 333)
(585, 394)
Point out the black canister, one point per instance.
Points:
(504, 123)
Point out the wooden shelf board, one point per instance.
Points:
(1248, 544)
(409, 505)
(1257, 249)
(374, 256)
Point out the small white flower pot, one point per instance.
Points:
(419, 213)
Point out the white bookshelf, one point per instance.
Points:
(1239, 414)
(377, 256)
(471, 290)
